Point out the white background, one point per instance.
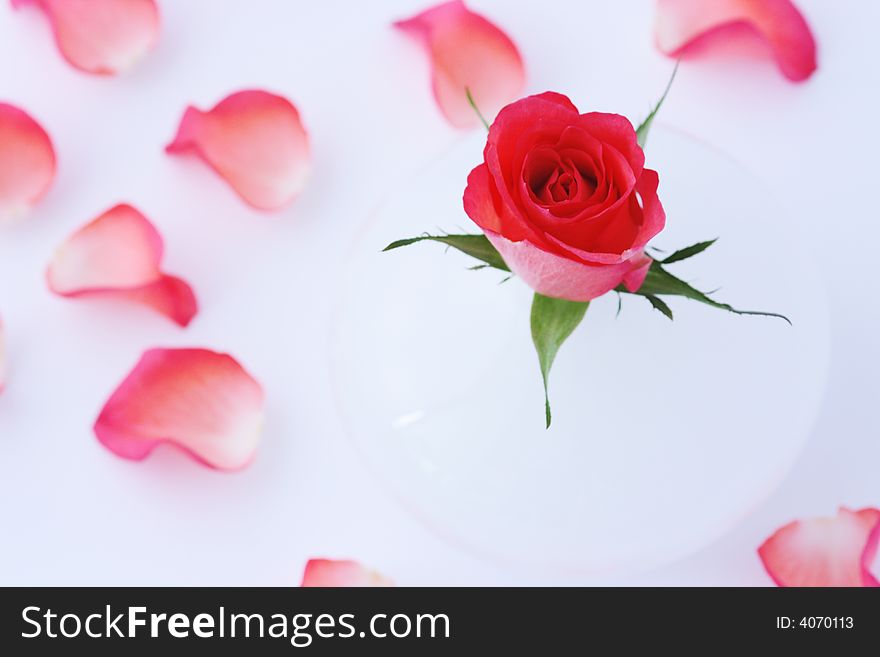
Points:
(72, 513)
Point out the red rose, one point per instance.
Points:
(565, 198)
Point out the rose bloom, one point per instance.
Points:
(565, 198)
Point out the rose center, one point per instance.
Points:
(554, 180)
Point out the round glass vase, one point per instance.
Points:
(664, 433)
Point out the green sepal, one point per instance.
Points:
(476, 246)
(688, 252)
(660, 282)
(553, 320)
(660, 304)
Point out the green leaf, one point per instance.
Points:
(643, 130)
(660, 304)
(688, 252)
(477, 246)
(553, 320)
(661, 282)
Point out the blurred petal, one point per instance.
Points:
(834, 551)
(328, 573)
(27, 163)
(101, 36)
(119, 254)
(201, 401)
(869, 558)
(255, 141)
(2, 355)
(682, 22)
(467, 51)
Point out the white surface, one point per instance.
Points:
(73, 513)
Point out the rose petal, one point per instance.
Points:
(635, 278)
(580, 279)
(653, 221)
(515, 137)
(834, 551)
(482, 203)
(467, 52)
(255, 141)
(555, 276)
(201, 401)
(681, 22)
(27, 162)
(2, 356)
(329, 573)
(119, 254)
(101, 36)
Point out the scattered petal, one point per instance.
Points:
(834, 551)
(104, 37)
(203, 402)
(27, 163)
(119, 254)
(869, 558)
(328, 573)
(2, 356)
(255, 141)
(681, 23)
(467, 52)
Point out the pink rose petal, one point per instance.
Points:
(255, 141)
(653, 221)
(27, 163)
(554, 275)
(467, 51)
(635, 277)
(834, 551)
(2, 356)
(328, 573)
(562, 278)
(681, 23)
(101, 36)
(201, 401)
(118, 254)
(869, 558)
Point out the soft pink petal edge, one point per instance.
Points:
(169, 295)
(27, 162)
(680, 23)
(105, 47)
(123, 430)
(467, 51)
(817, 539)
(344, 573)
(265, 195)
(869, 556)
